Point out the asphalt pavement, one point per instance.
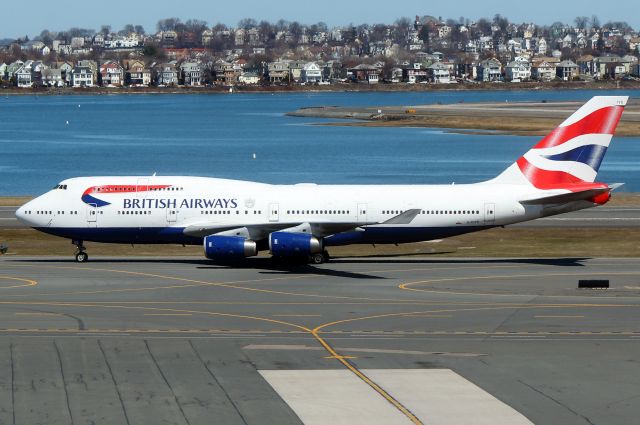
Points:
(147, 340)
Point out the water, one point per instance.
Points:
(217, 135)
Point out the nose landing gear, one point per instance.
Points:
(81, 255)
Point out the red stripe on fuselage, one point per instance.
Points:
(124, 188)
(602, 121)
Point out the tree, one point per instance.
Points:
(167, 24)
(595, 22)
(581, 22)
(126, 30)
(247, 23)
(501, 22)
(139, 29)
(105, 30)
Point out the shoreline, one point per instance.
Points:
(520, 118)
(338, 87)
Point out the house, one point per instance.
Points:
(166, 74)
(191, 73)
(567, 70)
(52, 77)
(295, 69)
(82, 76)
(414, 73)
(490, 70)
(226, 73)
(137, 74)
(23, 76)
(542, 46)
(249, 78)
(65, 68)
(311, 73)
(518, 70)
(12, 68)
(439, 73)
(543, 71)
(93, 66)
(3, 71)
(112, 73)
(364, 73)
(278, 71)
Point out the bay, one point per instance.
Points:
(45, 139)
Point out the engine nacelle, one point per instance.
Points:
(228, 247)
(285, 244)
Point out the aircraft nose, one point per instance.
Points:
(21, 213)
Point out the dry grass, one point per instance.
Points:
(505, 124)
(11, 201)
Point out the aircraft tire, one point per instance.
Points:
(82, 257)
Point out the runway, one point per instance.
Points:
(380, 340)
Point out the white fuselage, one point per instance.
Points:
(159, 209)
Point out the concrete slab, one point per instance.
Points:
(336, 397)
(39, 389)
(93, 397)
(442, 397)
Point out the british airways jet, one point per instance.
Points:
(236, 219)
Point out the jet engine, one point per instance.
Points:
(285, 244)
(228, 247)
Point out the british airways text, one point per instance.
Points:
(203, 203)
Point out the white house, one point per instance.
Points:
(439, 73)
(191, 73)
(82, 76)
(490, 70)
(249, 78)
(311, 73)
(52, 77)
(543, 71)
(24, 77)
(518, 70)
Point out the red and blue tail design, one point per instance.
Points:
(570, 156)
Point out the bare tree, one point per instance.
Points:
(167, 24)
(581, 22)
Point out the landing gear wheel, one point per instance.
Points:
(82, 257)
(317, 258)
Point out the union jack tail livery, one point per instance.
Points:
(570, 156)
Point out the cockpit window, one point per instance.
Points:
(60, 186)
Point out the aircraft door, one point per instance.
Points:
(274, 214)
(362, 213)
(489, 213)
(92, 215)
(172, 215)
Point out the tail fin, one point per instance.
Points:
(571, 154)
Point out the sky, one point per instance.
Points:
(17, 20)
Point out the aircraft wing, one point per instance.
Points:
(262, 230)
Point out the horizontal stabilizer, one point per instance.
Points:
(403, 218)
(566, 197)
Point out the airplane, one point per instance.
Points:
(235, 219)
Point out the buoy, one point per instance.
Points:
(254, 156)
(78, 105)
(67, 122)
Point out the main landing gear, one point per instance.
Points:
(81, 255)
(319, 258)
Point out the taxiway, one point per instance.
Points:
(139, 340)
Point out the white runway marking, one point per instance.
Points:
(435, 396)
